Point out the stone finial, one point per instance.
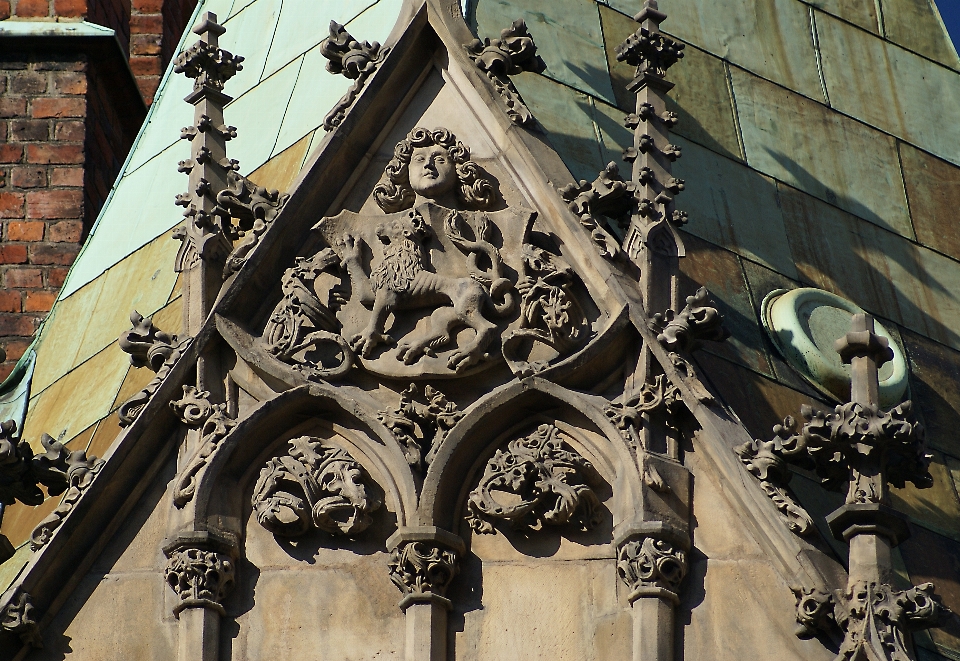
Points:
(866, 352)
(205, 62)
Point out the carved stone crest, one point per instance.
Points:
(540, 482)
(313, 486)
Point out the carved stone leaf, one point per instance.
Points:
(200, 577)
(423, 568)
(150, 347)
(652, 563)
(81, 471)
(20, 617)
(773, 474)
(546, 483)
(313, 486)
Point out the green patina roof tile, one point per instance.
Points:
(936, 559)
(257, 116)
(65, 325)
(280, 171)
(891, 88)
(141, 209)
(916, 24)
(303, 25)
(250, 33)
(858, 12)
(733, 206)
(821, 152)
(936, 296)
(719, 271)
(78, 399)
(771, 38)
(933, 190)
(567, 117)
(568, 37)
(937, 507)
(701, 97)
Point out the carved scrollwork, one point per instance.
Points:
(302, 327)
(699, 321)
(421, 426)
(608, 195)
(876, 619)
(858, 437)
(773, 474)
(354, 60)
(196, 411)
(546, 483)
(149, 347)
(549, 312)
(22, 472)
(80, 473)
(255, 208)
(423, 568)
(313, 486)
(200, 578)
(19, 617)
(512, 53)
(648, 563)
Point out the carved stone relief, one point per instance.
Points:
(439, 286)
(150, 347)
(19, 617)
(353, 59)
(423, 568)
(313, 486)
(540, 482)
(200, 578)
(418, 427)
(196, 411)
(512, 53)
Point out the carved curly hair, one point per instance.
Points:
(394, 192)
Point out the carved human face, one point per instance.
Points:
(433, 173)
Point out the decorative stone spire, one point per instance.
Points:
(861, 449)
(651, 241)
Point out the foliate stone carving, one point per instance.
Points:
(313, 486)
(851, 442)
(875, 618)
(549, 312)
(354, 60)
(545, 483)
(420, 427)
(773, 474)
(22, 472)
(423, 568)
(629, 410)
(648, 49)
(304, 331)
(80, 471)
(196, 411)
(148, 347)
(512, 53)
(254, 207)
(205, 62)
(201, 578)
(648, 563)
(608, 195)
(19, 617)
(699, 321)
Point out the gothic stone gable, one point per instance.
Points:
(435, 402)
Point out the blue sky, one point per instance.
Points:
(950, 11)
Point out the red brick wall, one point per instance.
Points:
(43, 108)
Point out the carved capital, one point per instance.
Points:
(545, 482)
(201, 578)
(652, 564)
(313, 486)
(423, 570)
(19, 617)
